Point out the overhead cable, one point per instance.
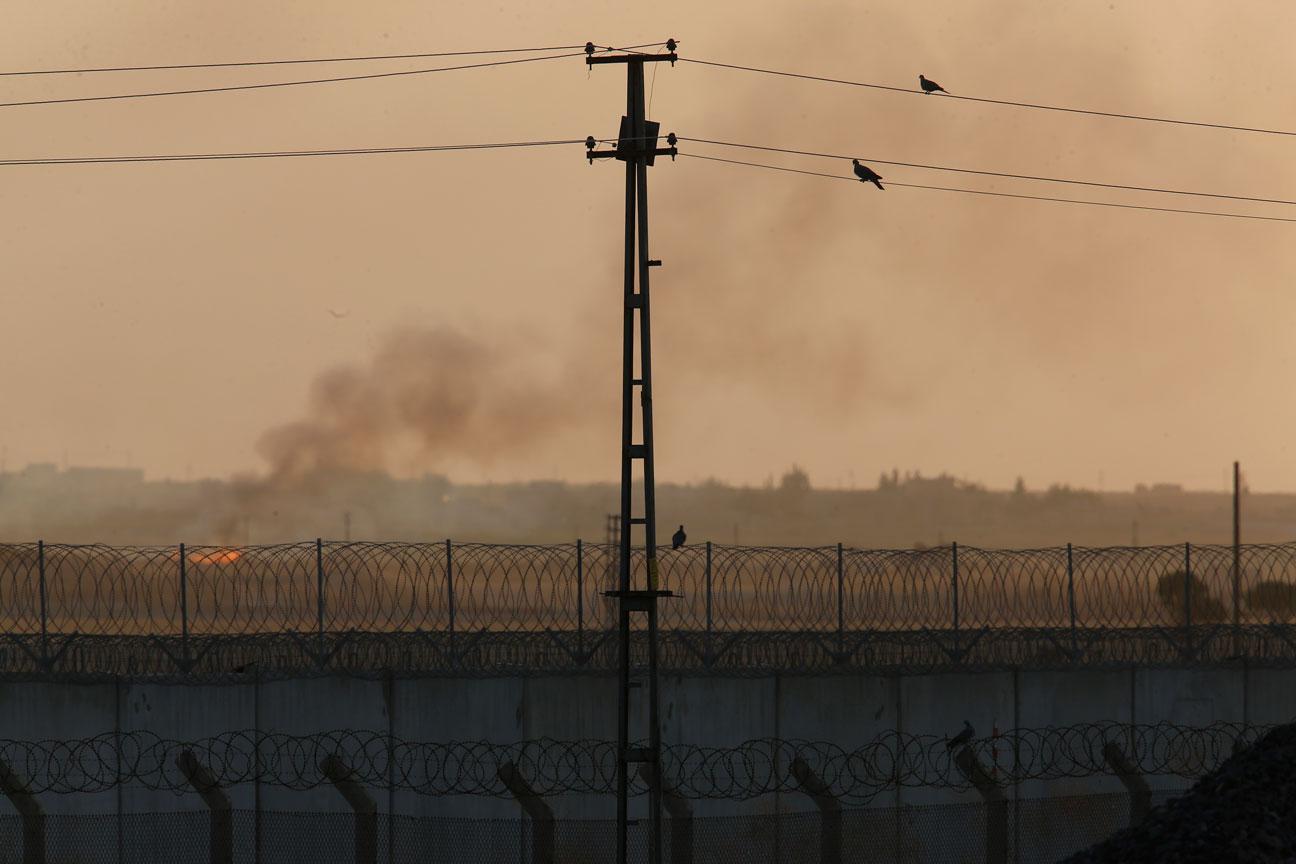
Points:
(292, 62)
(988, 101)
(278, 154)
(890, 183)
(984, 173)
(272, 84)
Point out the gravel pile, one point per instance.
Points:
(1244, 811)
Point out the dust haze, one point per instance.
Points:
(795, 320)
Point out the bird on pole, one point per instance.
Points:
(962, 737)
(929, 86)
(866, 174)
(678, 538)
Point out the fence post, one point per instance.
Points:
(830, 819)
(996, 837)
(221, 841)
(1139, 794)
(681, 816)
(841, 605)
(542, 821)
(319, 597)
(1071, 604)
(955, 595)
(1237, 560)
(44, 616)
(18, 791)
(580, 598)
(450, 606)
(1188, 580)
(707, 650)
(184, 606)
(362, 805)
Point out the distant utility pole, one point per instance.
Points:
(612, 540)
(1237, 558)
(637, 147)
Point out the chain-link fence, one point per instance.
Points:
(359, 608)
(1036, 830)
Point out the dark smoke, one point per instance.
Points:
(439, 392)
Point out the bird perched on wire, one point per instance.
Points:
(962, 737)
(866, 174)
(678, 538)
(929, 86)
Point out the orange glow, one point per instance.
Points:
(218, 557)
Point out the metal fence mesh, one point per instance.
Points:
(466, 608)
(1038, 830)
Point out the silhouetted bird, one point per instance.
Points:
(678, 538)
(930, 86)
(961, 738)
(866, 174)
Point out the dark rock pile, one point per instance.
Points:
(1244, 811)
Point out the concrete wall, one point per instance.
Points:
(844, 710)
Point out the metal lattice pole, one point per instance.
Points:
(637, 147)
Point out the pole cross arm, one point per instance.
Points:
(632, 58)
(612, 154)
(625, 148)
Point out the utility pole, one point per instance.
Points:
(637, 147)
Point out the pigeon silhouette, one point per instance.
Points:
(678, 538)
(866, 174)
(961, 738)
(929, 86)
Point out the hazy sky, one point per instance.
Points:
(170, 314)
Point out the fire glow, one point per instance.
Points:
(216, 557)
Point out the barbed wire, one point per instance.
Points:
(261, 657)
(339, 587)
(752, 768)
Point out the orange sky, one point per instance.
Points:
(169, 314)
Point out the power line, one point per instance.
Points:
(995, 194)
(277, 154)
(301, 61)
(1068, 181)
(1035, 105)
(266, 86)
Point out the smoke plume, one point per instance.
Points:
(437, 395)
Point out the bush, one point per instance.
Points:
(1278, 599)
(1206, 607)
